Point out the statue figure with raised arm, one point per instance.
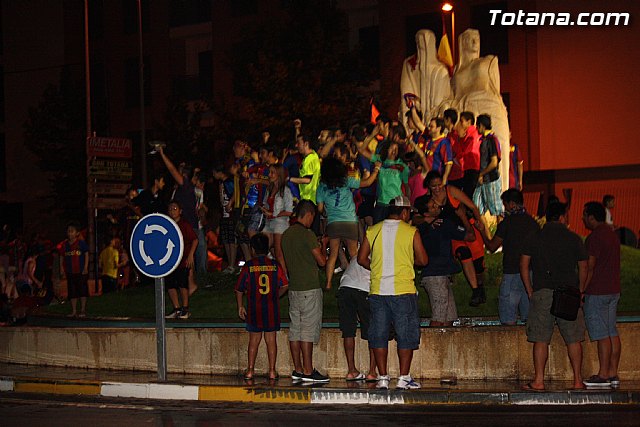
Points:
(476, 88)
(425, 77)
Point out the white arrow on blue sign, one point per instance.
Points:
(156, 245)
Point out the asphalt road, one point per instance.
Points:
(44, 410)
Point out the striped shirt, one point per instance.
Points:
(261, 279)
(392, 258)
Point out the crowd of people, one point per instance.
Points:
(374, 202)
(384, 203)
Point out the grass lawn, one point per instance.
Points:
(218, 301)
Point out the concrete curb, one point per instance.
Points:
(302, 395)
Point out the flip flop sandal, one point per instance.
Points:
(529, 387)
(358, 377)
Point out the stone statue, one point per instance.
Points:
(476, 88)
(423, 75)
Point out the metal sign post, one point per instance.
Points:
(156, 249)
(161, 333)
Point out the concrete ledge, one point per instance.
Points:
(469, 353)
(297, 395)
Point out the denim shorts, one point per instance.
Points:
(513, 297)
(600, 315)
(541, 322)
(402, 312)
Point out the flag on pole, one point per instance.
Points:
(444, 52)
(374, 112)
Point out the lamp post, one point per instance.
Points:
(448, 7)
(143, 131)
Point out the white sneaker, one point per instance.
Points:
(338, 270)
(406, 382)
(383, 382)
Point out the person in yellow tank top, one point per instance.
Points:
(395, 247)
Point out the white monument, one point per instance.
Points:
(476, 88)
(424, 76)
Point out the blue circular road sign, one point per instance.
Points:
(156, 245)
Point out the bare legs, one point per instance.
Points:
(609, 356)
(83, 305)
(334, 251)
(173, 296)
(404, 356)
(252, 353)
(540, 356)
(302, 364)
(231, 250)
(334, 247)
(349, 351)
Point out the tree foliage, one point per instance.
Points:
(299, 65)
(55, 133)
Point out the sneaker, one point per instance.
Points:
(174, 314)
(338, 270)
(315, 377)
(596, 381)
(228, 270)
(383, 382)
(476, 297)
(296, 376)
(407, 383)
(615, 381)
(184, 314)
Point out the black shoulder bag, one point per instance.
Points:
(566, 298)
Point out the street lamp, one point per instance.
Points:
(143, 130)
(448, 7)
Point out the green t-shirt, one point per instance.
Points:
(391, 176)
(310, 167)
(338, 202)
(297, 244)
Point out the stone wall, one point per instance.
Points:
(486, 352)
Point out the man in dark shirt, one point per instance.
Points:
(487, 194)
(555, 254)
(511, 235)
(436, 233)
(185, 193)
(150, 200)
(602, 293)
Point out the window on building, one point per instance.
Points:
(3, 164)
(1, 94)
(424, 21)
(1, 32)
(132, 82)
(205, 73)
(130, 15)
(188, 12)
(243, 8)
(494, 39)
(369, 40)
(99, 101)
(96, 22)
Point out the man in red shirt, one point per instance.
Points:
(74, 266)
(602, 293)
(467, 152)
(179, 279)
